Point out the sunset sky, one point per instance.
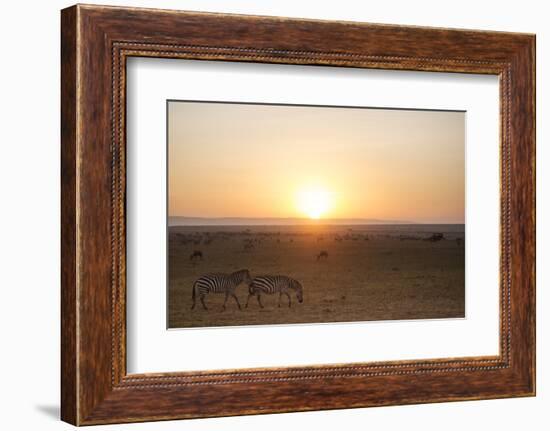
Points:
(243, 160)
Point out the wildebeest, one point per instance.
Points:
(435, 237)
(197, 254)
(322, 254)
(219, 283)
(271, 284)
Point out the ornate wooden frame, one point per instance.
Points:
(95, 42)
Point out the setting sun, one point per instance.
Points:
(314, 201)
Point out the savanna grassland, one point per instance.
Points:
(372, 272)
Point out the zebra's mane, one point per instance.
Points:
(295, 285)
(240, 271)
(241, 274)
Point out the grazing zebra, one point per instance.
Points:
(322, 254)
(219, 283)
(271, 284)
(195, 255)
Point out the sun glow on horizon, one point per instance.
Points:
(314, 201)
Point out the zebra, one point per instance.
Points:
(322, 254)
(271, 284)
(219, 283)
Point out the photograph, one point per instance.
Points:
(306, 214)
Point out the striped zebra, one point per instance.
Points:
(219, 283)
(271, 284)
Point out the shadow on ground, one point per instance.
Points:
(52, 411)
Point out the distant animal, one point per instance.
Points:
(248, 246)
(435, 237)
(322, 254)
(197, 254)
(271, 284)
(219, 283)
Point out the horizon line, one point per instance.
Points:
(302, 220)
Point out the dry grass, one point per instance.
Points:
(382, 278)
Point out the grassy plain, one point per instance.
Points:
(373, 272)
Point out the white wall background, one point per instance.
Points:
(29, 214)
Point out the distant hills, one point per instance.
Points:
(274, 221)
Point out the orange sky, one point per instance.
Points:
(242, 160)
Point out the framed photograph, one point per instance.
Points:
(307, 207)
(264, 215)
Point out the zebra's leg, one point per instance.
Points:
(250, 295)
(202, 302)
(237, 300)
(225, 301)
(193, 306)
(259, 300)
(280, 294)
(289, 301)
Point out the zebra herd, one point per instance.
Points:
(227, 284)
